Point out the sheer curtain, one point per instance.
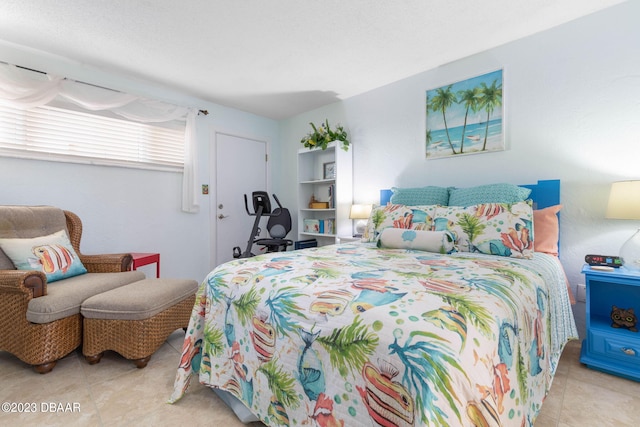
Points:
(21, 88)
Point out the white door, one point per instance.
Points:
(241, 168)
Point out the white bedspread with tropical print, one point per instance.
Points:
(351, 334)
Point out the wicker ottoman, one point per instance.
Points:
(136, 319)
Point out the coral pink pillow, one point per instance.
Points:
(546, 229)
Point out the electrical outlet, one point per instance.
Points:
(581, 293)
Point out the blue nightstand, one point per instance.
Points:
(608, 349)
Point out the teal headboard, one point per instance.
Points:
(544, 194)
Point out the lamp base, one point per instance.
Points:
(630, 252)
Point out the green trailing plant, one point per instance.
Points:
(322, 135)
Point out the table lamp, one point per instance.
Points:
(361, 214)
(624, 203)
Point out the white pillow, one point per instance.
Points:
(421, 240)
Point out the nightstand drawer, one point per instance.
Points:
(615, 347)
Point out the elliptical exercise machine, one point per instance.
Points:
(278, 226)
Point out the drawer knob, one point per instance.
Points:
(628, 351)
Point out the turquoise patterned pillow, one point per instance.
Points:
(429, 195)
(501, 229)
(492, 193)
(52, 254)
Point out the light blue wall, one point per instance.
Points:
(129, 210)
(572, 112)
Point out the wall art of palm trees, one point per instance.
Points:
(465, 117)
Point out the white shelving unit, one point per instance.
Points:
(311, 182)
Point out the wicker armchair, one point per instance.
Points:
(42, 344)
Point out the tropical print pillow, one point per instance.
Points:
(501, 229)
(398, 216)
(52, 254)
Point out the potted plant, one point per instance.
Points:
(322, 135)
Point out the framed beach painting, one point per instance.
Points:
(465, 117)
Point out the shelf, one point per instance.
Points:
(339, 189)
(306, 233)
(603, 324)
(319, 181)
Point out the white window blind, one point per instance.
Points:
(52, 133)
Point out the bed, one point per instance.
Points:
(393, 331)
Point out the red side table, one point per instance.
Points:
(140, 259)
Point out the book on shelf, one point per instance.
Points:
(311, 226)
(329, 226)
(332, 196)
(320, 226)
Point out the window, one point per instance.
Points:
(61, 134)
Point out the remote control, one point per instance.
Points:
(602, 268)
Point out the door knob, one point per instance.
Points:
(223, 216)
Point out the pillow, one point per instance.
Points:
(491, 228)
(398, 216)
(429, 195)
(422, 217)
(381, 217)
(430, 241)
(52, 254)
(545, 224)
(492, 193)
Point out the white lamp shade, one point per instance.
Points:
(360, 212)
(624, 200)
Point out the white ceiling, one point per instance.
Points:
(276, 58)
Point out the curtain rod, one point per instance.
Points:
(203, 112)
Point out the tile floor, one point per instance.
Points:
(115, 393)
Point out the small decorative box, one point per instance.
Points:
(319, 205)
